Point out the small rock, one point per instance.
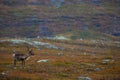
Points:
(81, 39)
(90, 69)
(93, 65)
(107, 61)
(85, 53)
(42, 60)
(3, 73)
(59, 54)
(15, 68)
(82, 66)
(4, 76)
(97, 69)
(84, 78)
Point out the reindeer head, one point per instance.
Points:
(30, 52)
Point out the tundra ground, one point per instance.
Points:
(98, 61)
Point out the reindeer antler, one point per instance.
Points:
(14, 50)
(28, 48)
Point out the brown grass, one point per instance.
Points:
(71, 64)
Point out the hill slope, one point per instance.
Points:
(31, 18)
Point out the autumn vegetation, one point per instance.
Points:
(89, 48)
(78, 58)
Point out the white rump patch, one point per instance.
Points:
(13, 55)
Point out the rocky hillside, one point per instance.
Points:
(31, 18)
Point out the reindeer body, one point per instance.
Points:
(21, 57)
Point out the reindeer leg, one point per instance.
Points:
(14, 63)
(24, 63)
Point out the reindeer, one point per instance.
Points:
(21, 57)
